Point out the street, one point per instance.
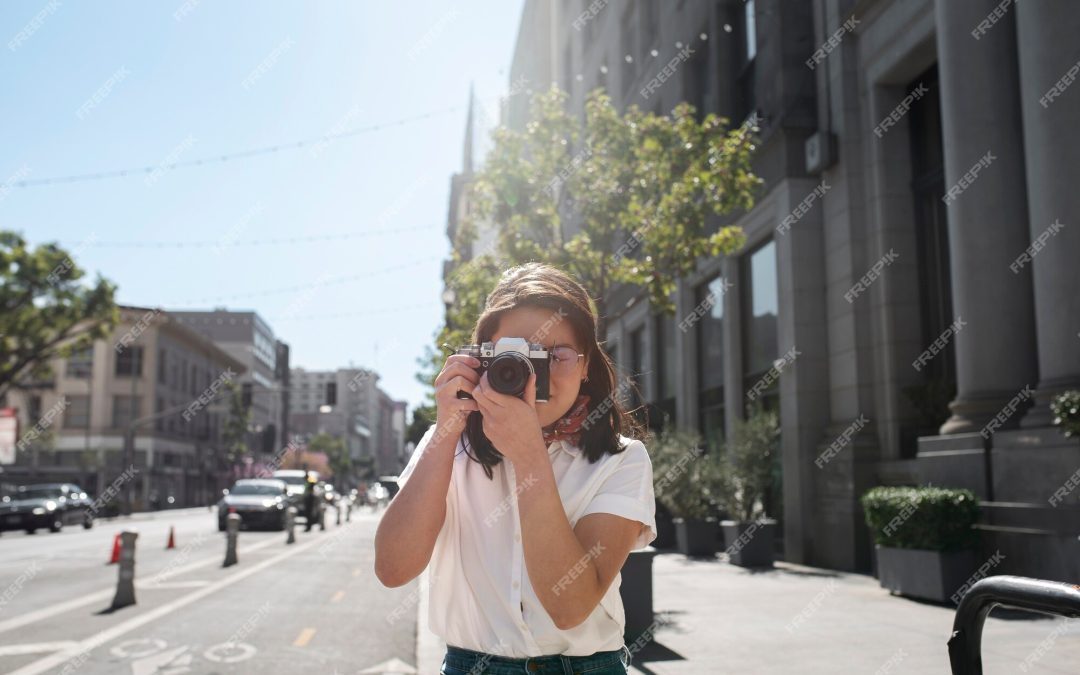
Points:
(281, 609)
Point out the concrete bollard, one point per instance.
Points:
(125, 583)
(348, 512)
(290, 524)
(338, 509)
(322, 519)
(232, 528)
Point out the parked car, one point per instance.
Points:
(51, 505)
(260, 502)
(296, 484)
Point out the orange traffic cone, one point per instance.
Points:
(172, 539)
(115, 558)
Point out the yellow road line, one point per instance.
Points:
(304, 637)
(338, 596)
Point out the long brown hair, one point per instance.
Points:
(544, 286)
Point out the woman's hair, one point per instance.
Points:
(543, 286)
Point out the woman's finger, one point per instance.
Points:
(455, 368)
(494, 398)
(454, 385)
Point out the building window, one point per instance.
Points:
(760, 303)
(159, 406)
(710, 335)
(745, 60)
(80, 363)
(162, 369)
(125, 411)
(749, 30)
(77, 412)
(129, 362)
(194, 381)
(667, 379)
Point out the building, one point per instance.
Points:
(152, 371)
(250, 340)
(910, 263)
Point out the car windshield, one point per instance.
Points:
(38, 493)
(255, 489)
(292, 480)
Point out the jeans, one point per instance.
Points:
(466, 662)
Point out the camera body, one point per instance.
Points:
(508, 363)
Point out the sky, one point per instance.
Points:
(105, 86)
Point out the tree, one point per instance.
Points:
(422, 419)
(237, 421)
(46, 309)
(337, 455)
(641, 191)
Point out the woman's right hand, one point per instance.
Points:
(458, 374)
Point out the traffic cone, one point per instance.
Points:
(172, 539)
(115, 557)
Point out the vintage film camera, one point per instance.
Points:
(508, 363)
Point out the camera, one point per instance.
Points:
(508, 363)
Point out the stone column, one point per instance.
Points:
(981, 119)
(1047, 33)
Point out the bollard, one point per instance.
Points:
(338, 509)
(290, 524)
(322, 518)
(348, 512)
(232, 527)
(125, 583)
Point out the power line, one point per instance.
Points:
(225, 157)
(362, 312)
(224, 242)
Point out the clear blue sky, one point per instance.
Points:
(230, 76)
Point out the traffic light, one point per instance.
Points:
(331, 393)
(245, 394)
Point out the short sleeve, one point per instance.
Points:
(403, 477)
(628, 491)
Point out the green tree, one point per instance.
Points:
(625, 198)
(46, 309)
(337, 455)
(422, 419)
(237, 421)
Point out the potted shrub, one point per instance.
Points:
(684, 481)
(1066, 409)
(924, 537)
(747, 473)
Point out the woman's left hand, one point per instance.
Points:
(511, 423)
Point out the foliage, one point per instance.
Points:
(1066, 409)
(623, 198)
(747, 464)
(337, 455)
(46, 309)
(237, 421)
(685, 478)
(422, 419)
(929, 518)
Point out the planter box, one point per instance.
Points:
(636, 592)
(696, 537)
(750, 544)
(930, 575)
(665, 530)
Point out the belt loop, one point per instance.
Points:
(567, 666)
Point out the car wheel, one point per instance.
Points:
(88, 522)
(31, 530)
(56, 525)
(281, 523)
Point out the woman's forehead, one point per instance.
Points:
(536, 324)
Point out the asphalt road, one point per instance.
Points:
(283, 608)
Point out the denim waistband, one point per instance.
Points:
(475, 663)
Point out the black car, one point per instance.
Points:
(51, 505)
(260, 502)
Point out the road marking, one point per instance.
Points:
(194, 583)
(100, 596)
(304, 637)
(35, 648)
(84, 647)
(395, 666)
(338, 596)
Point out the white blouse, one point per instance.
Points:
(480, 595)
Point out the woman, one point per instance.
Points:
(526, 511)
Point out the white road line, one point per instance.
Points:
(99, 596)
(36, 648)
(41, 665)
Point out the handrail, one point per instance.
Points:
(1033, 595)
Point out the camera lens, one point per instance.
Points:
(509, 373)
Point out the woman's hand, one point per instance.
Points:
(458, 374)
(511, 423)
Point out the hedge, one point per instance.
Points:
(930, 518)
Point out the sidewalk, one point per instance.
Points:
(712, 617)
